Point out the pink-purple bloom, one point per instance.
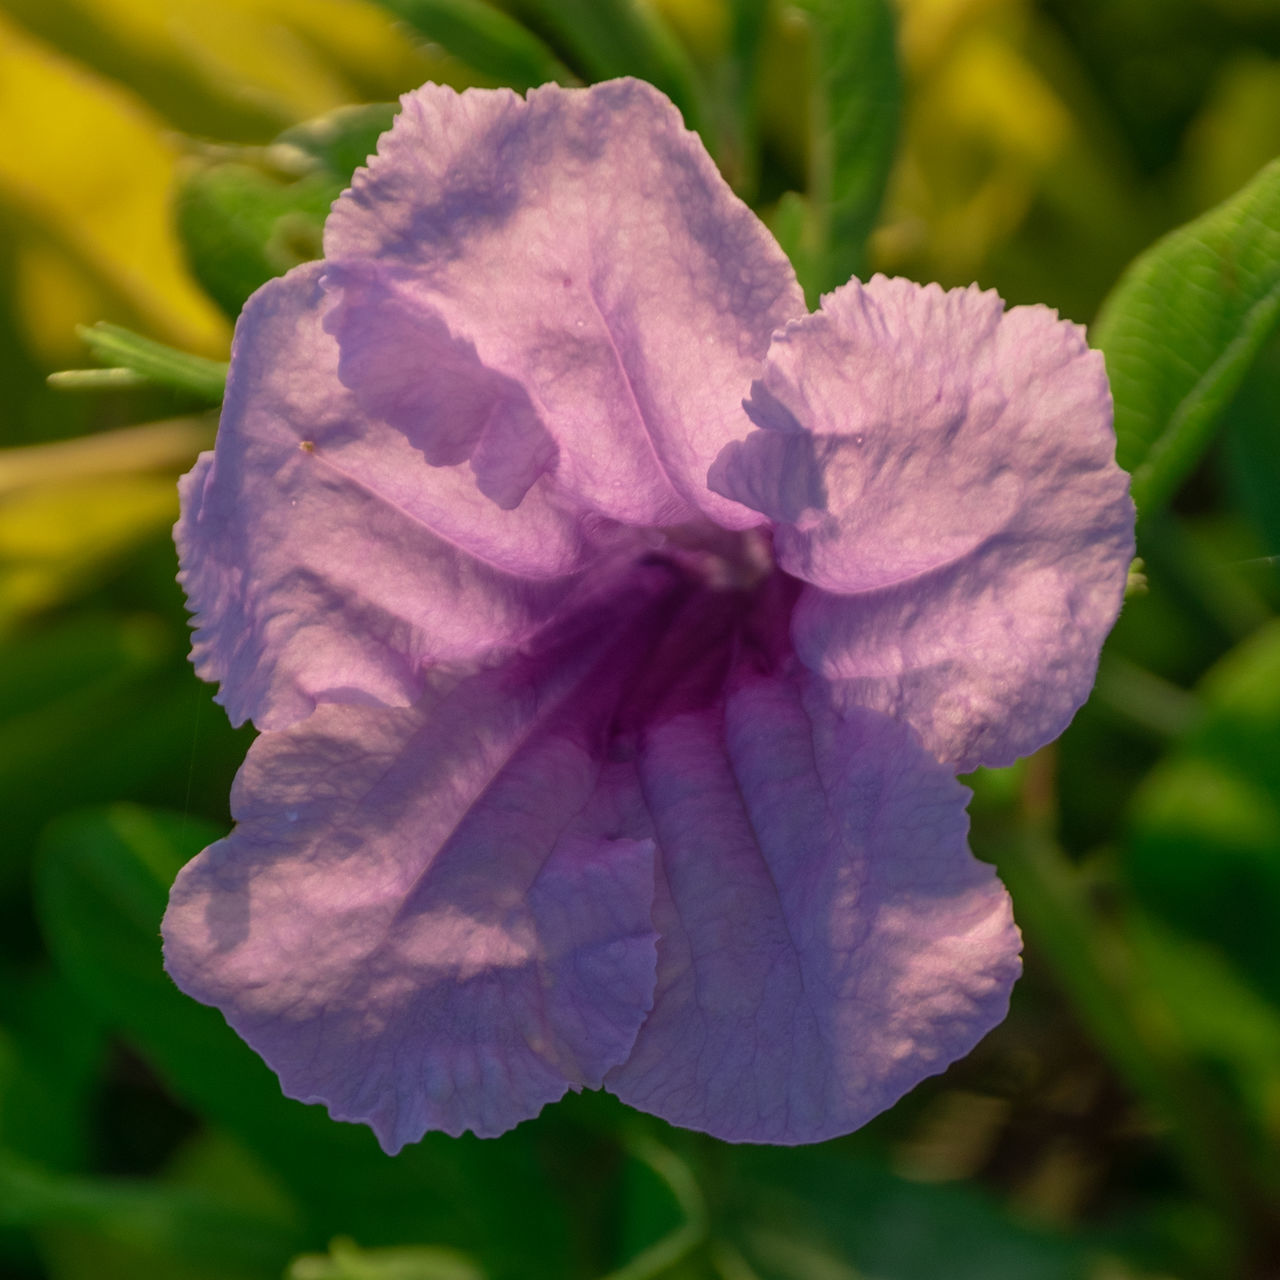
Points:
(616, 630)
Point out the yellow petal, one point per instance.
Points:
(294, 58)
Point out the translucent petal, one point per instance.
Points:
(827, 940)
(942, 473)
(585, 246)
(326, 559)
(438, 917)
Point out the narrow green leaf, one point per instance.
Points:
(486, 39)
(609, 38)
(171, 1221)
(163, 365)
(747, 19)
(854, 112)
(734, 97)
(1181, 329)
(97, 380)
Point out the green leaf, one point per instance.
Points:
(97, 380)
(748, 20)
(798, 1214)
(101, 885)
(1204, 847)
(172, 1222)
(241, 224)
(1221, 1018)
(50, 1050)
(247, 214)
(608, 38)
(149, 361)
(793, 223)
(1252, 441)
(854, 114)
(99, 707)
(339, 142)
(1181, 329)
(101, 888)
(486, 39)
(763, 1213)
(734, 90)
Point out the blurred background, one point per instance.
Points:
(159, 159)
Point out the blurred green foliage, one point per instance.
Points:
(247, 214)
(1125, 1120)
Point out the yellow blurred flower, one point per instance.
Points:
(88, 166)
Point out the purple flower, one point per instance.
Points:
(611, 722)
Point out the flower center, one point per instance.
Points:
(719, 559)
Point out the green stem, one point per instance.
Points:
(688, 1238)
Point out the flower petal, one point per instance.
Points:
(827, 940)
(584, 245)
(943, 474)
(325, 558)
(405, 367)
(438, 917)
